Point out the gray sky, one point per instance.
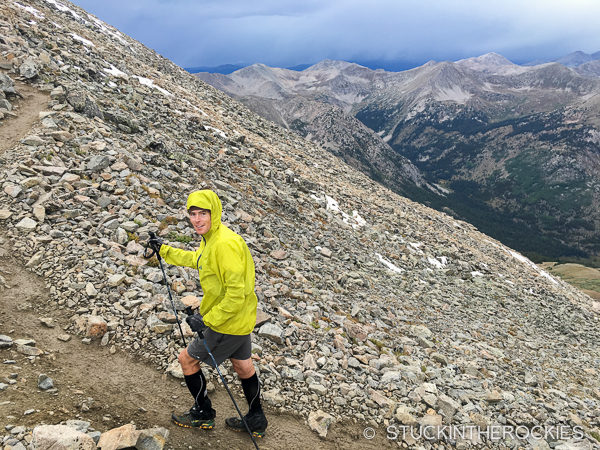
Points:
(285, 32)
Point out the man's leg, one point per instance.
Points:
(194, 379)
(256, 420)
(250, 383)
(201, 415)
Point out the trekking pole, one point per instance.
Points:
(230, 394)
(156, 252)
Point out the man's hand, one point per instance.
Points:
(155, 243)
(196, 323)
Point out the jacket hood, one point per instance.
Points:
(207, 199)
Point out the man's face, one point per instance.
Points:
(200, 219)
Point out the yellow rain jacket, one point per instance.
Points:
(226, 271)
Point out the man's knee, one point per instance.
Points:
(188, 364)
(243, 367)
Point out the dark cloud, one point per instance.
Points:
(285, 32)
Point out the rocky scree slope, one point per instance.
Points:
(516, 147)
(381, 310)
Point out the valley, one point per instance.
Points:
(514, 150)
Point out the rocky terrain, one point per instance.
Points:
(378, 312)
(512, 149)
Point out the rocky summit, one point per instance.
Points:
(377, 310)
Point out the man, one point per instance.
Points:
(227, 313)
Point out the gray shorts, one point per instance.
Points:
(222, 346)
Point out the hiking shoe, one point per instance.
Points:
(257, 422)
(195, 418)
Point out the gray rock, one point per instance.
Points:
(319, 422)
(318, 388)
(60, 437)
(6, 84)
(116, 279)
(82, 103)
(15, 446)
(98, 163)
(29, 69)
(79, 425)
(35, 259)
(5, 214)
(5, 341)
(29, 351)
(448, 406)
(48, 322)
(33, 140)
(152, 439)
(271, 331)
(391, 377)
(26, 224)
(121, 236)
(438, 357)
(45, 382)
(5, 104)
(13, 190)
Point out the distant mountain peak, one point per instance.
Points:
(575, 59)
(332, 64)
(489, 59)
(489, 63)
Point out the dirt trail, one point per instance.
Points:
(116, 388)
(110, 390)
(27, 109)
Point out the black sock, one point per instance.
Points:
(196, 383)
(251, 387)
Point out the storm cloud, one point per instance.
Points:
(286, 33)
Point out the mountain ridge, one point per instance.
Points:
(464, 105)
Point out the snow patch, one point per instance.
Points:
(104, 29)
(116, 72)
(85, 41)
(64, 8)
(531, 264)
(438, 263)
(441, 188)
(195, 107)
(415, 247)
(527, 262)
(218, 132)
(355, 220)
(148, 82)
(388, 264)
(30, 10)
(359, 220)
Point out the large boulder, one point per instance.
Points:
(117, 438)
(29, 69)
(82, 103)
(60, 437)
(152, 439)
(319, 422)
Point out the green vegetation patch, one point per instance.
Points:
(173, 236)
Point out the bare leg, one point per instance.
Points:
(189, 365)
(243, 367)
